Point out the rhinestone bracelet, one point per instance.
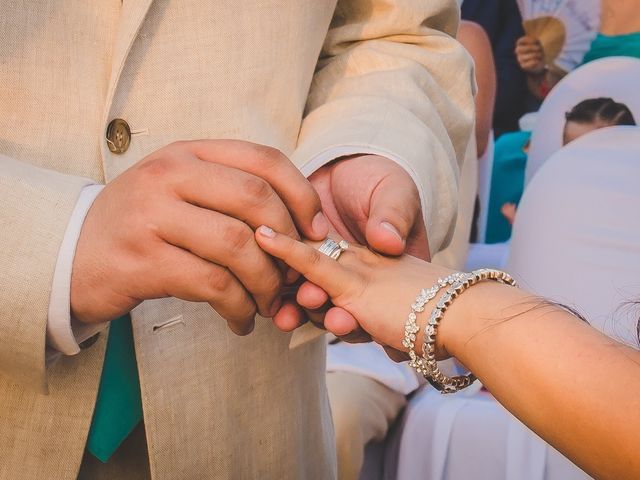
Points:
(411, 327)
(430, 370)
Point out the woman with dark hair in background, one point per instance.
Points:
(586, 116)
(595, 113)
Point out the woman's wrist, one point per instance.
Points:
(476, 313)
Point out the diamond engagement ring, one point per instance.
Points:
(333, 249)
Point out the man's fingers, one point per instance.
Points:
(396, 355)
(229, 243)
(238, 194)
(394, 209)
(193, 279)
(325, 272)
(271, 165)
(528, 40)
(418, 243)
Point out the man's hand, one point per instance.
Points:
(530, 55)
(179, 223)
(373, 201)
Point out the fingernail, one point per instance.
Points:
(319, 224)
(275, 307)
(266, 231)
(392, 229)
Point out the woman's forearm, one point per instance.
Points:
(578, 389)
(557, 374)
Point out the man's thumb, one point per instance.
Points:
(393, 210)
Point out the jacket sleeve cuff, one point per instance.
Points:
(64, 334)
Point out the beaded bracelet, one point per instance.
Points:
(411, 327)
(427, 365)
(435, 377)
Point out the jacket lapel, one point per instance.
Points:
(131, 18)
(132, 15)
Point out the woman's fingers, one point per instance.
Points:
(325, 272)
(345, 326)
(311, 296)
(289, 317)
(527, 41)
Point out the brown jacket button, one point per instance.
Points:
(118, 136)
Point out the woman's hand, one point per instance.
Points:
(378, 291)
(509, 211)
(530, 55)
(551, 370)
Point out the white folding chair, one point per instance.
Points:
(485, 170)
(576, 240)
(615, 77)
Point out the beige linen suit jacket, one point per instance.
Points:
(390, 79)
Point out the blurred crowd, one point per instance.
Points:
(546, 79)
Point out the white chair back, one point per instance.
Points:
(615, 77)
(485, 172)
(576, 239)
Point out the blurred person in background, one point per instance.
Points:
(592, 114)
(619, 31)
(474, 38)
(586, 116)
(619, 35)
(502, 22)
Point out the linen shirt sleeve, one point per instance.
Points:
(392, 80)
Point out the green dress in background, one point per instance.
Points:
(614, 46)
(507, 182)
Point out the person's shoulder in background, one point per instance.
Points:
(502, 22)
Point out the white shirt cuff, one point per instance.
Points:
(332, 154)
(63, 333)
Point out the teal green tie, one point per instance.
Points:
(119, 405)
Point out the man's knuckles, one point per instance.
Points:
(268, 157)
(219, 281)
(237, 237)
(255, 192)
(161, 168)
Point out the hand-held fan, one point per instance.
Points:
(565, 28)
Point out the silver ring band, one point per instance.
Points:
(333, 249)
